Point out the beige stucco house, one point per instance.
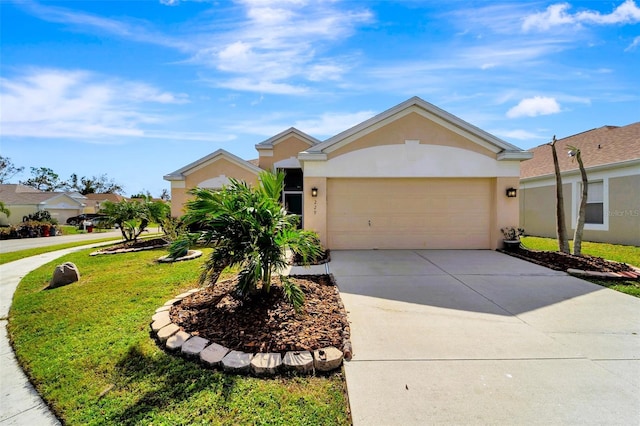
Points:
(22, 200)
(611, 156)
(412, 177)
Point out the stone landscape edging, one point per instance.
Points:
(169, 336)
(129, 250)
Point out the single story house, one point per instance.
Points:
(412, 177)
(611, 156)
(95, 202)
(22, 200)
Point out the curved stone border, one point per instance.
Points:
(211, 354)
(191, 254)
(129, 250)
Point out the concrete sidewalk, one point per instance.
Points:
(20, 404)
(478, 337)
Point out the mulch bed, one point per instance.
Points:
(138, 245)
(562, 261)
(324, 258)
(266, 323)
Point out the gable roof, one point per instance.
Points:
(214, 156)
(599, 147)
(415, 104)
(274, 140)
(16, 194)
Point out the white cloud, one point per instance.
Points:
(518, 134)
(558, 14)
(532, 107)
(54, 103)
(634, 44)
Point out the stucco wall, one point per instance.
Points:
(219, 171)
(412, 127)
(538, 217)
(287, 148)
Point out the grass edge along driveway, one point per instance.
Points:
(87, 349)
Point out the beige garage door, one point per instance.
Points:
(408, 213)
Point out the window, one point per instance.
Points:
(595, 204)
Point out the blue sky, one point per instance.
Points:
(138, 89)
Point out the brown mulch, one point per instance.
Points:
(266, 323)
(140, 244)
(562, 261)
(325, 257)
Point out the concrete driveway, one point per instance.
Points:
(478, 337)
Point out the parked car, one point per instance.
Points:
(77, 220)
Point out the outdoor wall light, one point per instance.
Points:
(314, 192)
(512, 192)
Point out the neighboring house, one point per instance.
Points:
(22, 200)
(611, 156)
(412, 177)
(95, 201)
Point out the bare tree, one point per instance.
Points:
(7, 169)
(582, 214)
(561, 227)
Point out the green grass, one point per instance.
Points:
(88, 350)
(619, 253)
(21, 254)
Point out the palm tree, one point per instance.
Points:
(582, 213)
(4, 209)
(132, 217)
(248, 227)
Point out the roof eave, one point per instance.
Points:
(514, 156)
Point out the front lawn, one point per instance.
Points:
(625, 254)
(87, 349)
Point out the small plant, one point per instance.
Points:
(512, 234)
(180, 246)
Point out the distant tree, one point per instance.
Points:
(582, 214)
(44, 179)
(561, 227)
(144, 194)
(94, 185)
(7, 169)
(166, 195)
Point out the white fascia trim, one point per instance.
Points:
(173, 177)
(515, 155)
(312, 156)
(626, 168)
(209, 159)
(425, 109)
(274, 140)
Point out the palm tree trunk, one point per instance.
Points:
(561, 228)
(577, 236)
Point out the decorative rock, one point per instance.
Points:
(194, 346)
(160, 315)
(327, 359)
(213, 354)
(266, 364)
(191, 254)
(161, 323)
(236, 362)
(163, 308)
(165, 332)
(65, 273)
(177, 340)
(298, 361)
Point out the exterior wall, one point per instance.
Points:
(315, 208)
(213, 174)
(19, 211)
(287, 148)
(623, 213)
(412, 127)
(622, 210)
(505, 210)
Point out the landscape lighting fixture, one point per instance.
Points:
(314, 192)
(512, 192)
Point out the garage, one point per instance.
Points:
(409, 213)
